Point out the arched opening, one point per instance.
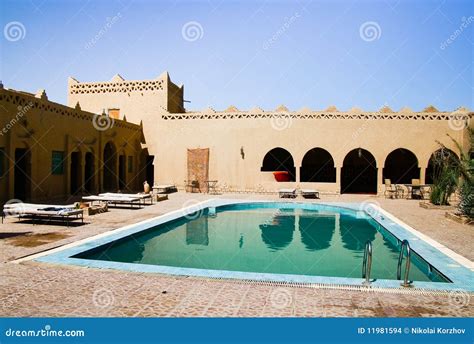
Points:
(22, 174)
(110, 167)
(401, 166)
(89, 173)
(318, 166)
(75, 173)
(279, 159)
(433, 170)
(359, 172)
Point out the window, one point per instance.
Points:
(3, 162)
(57, 163)
(130, 164)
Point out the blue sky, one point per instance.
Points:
(250, 53)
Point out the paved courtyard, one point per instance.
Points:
(40, 289)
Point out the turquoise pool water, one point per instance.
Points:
(267, 240)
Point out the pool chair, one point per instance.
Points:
(50, 212)
(164, 188)
(115, 199)
(287, 193)
(390, 189)
(143, 196)
(309, 193)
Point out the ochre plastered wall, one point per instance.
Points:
(33, 122)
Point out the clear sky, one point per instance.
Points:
(250, 53)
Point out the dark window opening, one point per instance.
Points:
(318, 166)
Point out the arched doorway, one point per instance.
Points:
(122, 172)
(359, 172)
(318, 166)
(89, 172)
(110, 167)
(401, 166)
(22, 174)
(433, 170)
(75, 173)
(279, 159)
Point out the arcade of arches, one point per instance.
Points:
(359, 172)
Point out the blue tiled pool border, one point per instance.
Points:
(462, 277)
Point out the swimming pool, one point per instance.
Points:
(278, 241)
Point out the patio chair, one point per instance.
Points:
(287, 193)
(65, 213)
(390, 189)
(164, 188)
(416, 192)
(115, 199)
(142, 196)
(309, 193)
(400, 191)
(192, 185)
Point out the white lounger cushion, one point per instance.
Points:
(111, 198)
(114, 194)
(40, 209)
(32, 206)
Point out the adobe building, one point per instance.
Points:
(49, 151)
(332, 151)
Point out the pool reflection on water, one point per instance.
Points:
(267, 240)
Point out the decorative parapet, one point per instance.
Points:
(386, 109)
(313, 115)
(430, 108)
(116, 85)
(282, 108)
(232, 108)
(21, 99)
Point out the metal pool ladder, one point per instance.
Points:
(367, 263)
(406, 282)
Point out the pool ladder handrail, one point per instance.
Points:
(367, 262)
(406, 282)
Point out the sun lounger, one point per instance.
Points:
(164, 188)
(287, 193)
(115, 200)
(309, 193)
(143, 196)
(33, 211)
